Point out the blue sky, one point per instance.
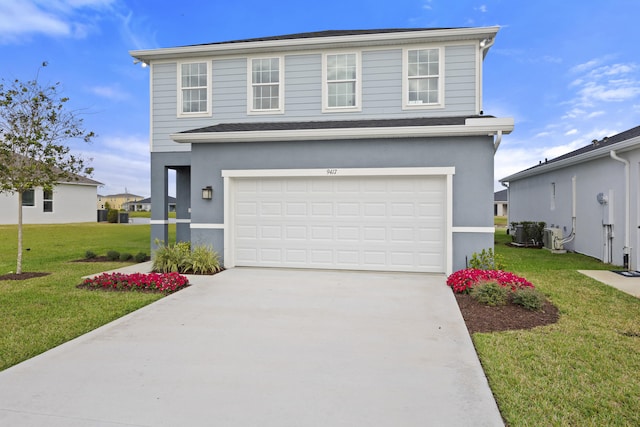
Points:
(566, 71)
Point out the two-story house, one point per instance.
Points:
(364, 150)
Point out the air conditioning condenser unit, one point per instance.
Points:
(552, 239)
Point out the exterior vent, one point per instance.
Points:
(552, 239)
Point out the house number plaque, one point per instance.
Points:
(332, 171)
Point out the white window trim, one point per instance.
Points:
(182, 114)
(405, 80)
(250, 109)
(44, 201)
(325, 85)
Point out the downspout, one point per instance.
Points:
(496, 142)
(627, 213)
(572, 235)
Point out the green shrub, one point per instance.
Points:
(532, 230)
(140, 257)
(90, 255)
(202, 260)
(125, 256)
(112, 216)
(487, 260)
(113, 255)
(529, 298)
(490, 293)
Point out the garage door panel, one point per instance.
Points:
(375, 223)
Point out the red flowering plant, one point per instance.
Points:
(155, 282)
(463, 280)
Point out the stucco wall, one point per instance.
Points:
(472, 158)
(531, 199)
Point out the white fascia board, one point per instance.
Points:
(346, 41)
(473, 127)
(621, 147)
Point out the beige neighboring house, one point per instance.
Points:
(144, 205)
(117, 201)
(68, 202)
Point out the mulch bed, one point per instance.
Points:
(482, 318)
(22, 276)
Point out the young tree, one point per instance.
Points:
(34, 127)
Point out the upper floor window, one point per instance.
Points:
(423, 85)
(47, 201)
(266, 85)
(341, 80)
(194, 89)
(29, 198)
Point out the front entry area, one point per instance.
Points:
(339, 220)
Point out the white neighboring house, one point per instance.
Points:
(500, 203)
(589, 197)
(68, 202)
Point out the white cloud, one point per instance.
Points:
(427, 5)
(109, 92)
(571, 132)
(18, 18)
(121, 162)
(482, 8)
(53, 18)
(543, 134)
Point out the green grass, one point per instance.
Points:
(41, 313)
(500, 221)
(143, 214)
(582, 371)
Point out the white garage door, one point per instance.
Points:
(392, 223)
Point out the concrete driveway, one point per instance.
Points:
(266, 347)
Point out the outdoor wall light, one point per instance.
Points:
(207, 193)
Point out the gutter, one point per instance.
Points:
(472, 127)
(322, 42)
(628, 144)
(627, 211)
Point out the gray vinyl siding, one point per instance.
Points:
(382, 82)
(229, 89)
(303, 86)
(460, 80)
(381, 92)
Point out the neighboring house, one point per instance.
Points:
(145, 205)
(364, 149)
(596, 187)
(68, 202)
(500, 203)
(117, 201)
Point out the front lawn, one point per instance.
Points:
(40, 313)
(583, 370)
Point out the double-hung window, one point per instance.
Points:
(194, 90)
(266, 85)
(341, 90)
(423, 82)
(47, 201)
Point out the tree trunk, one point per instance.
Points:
(19, 263)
